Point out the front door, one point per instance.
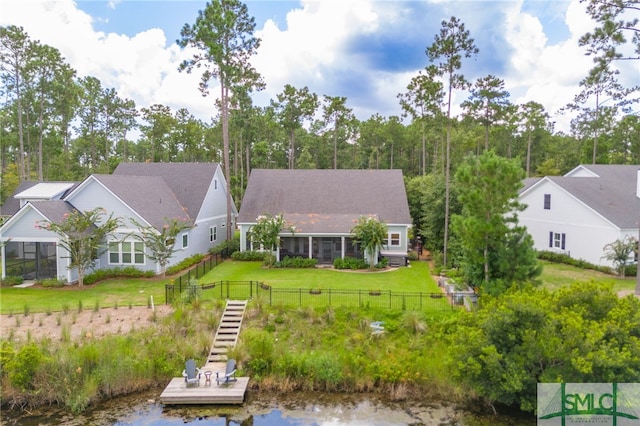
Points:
(326, 253)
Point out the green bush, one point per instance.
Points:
(631, 270)
(350, 263)
(383, 263)
(10, 281)
(23, 366)
(296, 262)
(52, 282)
(184, 264)
(248, 256)
(227, 246)
(413, 255)
(127, 272)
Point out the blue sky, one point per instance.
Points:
(366, 50)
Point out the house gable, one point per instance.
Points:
(189, 182)
(591, 206)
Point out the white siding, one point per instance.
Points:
(586, 232)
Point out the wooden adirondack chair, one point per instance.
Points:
(191, 373)
(229, 375)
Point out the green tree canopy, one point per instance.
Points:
(487, 227)
(583, 333)
(161, 243)
(82, 234)
(371, 235)
(267, 232)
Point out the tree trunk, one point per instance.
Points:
(225, 150)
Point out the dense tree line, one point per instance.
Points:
(56, 125)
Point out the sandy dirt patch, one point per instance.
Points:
(88, 323)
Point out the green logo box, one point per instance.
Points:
(601, 404)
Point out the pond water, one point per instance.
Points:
(260, 409)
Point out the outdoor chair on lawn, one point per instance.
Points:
(191, 373)
(229, 374)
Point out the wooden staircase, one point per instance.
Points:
(228, 331)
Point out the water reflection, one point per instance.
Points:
(262, 410)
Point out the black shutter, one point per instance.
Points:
(550, 239)
(563, 238)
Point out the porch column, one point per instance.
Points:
(3, 261)
(342, 241)
(310, 247)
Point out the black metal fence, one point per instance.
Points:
(323, 297)
(196, 272)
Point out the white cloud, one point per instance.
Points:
(313, 41)
(544, 73)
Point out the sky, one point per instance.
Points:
(365, 50)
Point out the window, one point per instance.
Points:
(557, 240)
(185, 241)
(547, 201)
(213, 234)
(393, 239)
(126, 253)
(215, 184)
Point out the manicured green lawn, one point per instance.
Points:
(106, 294)
(416, 278)
(557, 275)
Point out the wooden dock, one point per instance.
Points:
(207, 391)
(177, 392)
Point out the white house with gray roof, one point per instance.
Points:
(579, 213)
(323, 206)
(147, 193)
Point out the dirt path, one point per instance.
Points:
(79, 325)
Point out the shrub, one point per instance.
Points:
(296, 262)
(127, 272)
(383, 263)
(10, 281)
(52, 282)
(247, 256)
(184, 264)
(413, 255)
(22, 367)
(631, 270)
(350, 263)
(227, 246)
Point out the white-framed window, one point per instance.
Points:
(547, 201)
(393, 239)
(215, 184)
(557, 240)
(126, 253)
(213, 234)
(185, 241)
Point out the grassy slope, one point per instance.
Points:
(557, 275)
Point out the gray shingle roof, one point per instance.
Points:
(12, 204)
(189, 182)
(612, 194)
(326, 201)
(53, 210)
(149, 196)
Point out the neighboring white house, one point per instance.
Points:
(149, 193)
(323, 206)
(579, 213)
